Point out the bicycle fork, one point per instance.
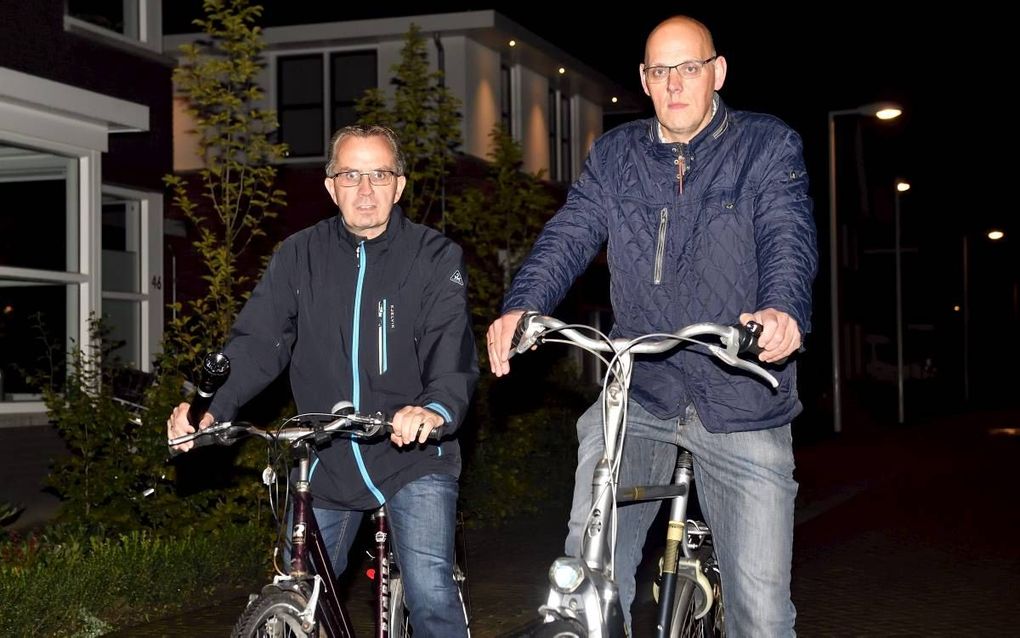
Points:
(382, 574)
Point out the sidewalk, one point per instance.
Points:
(900, 532)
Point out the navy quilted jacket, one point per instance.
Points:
(738, 236)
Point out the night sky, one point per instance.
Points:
(947, 71)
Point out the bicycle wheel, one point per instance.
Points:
(399, 620)
(561, 629)
(274, 615)
(684, 624)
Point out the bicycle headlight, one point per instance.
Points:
(566, 574)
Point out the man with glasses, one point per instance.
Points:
(371, 308)
(707, 218)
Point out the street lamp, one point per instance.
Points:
(883, 111)
(901, 187)
(994, 235)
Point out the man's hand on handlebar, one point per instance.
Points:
(780, 335)
(177, 425)
(498, 339)
(413, 424)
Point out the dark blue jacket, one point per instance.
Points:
(383, 323)
(738, 237)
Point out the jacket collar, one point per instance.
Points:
(708, 136)
(393, 230)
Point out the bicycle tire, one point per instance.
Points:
(561, 629)
(399, 623)
(685, 625)
(274, 615)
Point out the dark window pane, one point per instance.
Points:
(121, 244)
(353, 73)
(34, 225)
(302, 130)
(108, 14)
(299, 104)
(300, 81)
(123, 318)
(33, 333)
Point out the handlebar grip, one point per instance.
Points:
(213, 374)
(522, 326)
(749, 334)
(433, 437)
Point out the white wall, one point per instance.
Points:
(534, 121)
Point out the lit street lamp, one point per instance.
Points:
(994, 235)
(901, 187)
(883, 111)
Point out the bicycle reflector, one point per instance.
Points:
(566, 574)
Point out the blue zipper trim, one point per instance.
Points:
(355, 347)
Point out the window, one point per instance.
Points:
(136, 23)
(506, 98)
(302, 102)
(299, 104)
(566, 168)
(122, 276)
(39, 267)
(119, 17)
(560, 138)
(353, 74)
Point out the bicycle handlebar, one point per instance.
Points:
(532, 328)
(351, 425)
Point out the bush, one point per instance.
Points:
(78, 586)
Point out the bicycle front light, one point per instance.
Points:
(566, 574)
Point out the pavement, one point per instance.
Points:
(901, 531)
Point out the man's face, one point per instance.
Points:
(365, 207)
(683, 105)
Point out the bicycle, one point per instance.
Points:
(303, 600)
(583, 599)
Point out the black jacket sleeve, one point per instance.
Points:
(262, 338)
(446, 345)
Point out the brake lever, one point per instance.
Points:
(212, 430)
(743, 364)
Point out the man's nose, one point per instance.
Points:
(673, 81)
(364, 186)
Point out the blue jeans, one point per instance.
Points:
(745, 486)
(422, 520)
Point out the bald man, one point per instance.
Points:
(707, 218)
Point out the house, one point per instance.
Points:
(85, 138)
(89, 125)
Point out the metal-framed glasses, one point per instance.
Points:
(687, 70)
(378, 177)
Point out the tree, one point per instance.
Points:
(219, 78)
(424, 114)
(496, 223)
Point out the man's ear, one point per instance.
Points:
(401, 183)
(331, 189)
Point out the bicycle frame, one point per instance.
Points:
(309, 550)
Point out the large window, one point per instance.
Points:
(46, 291)
(303, 102)
(39, 267)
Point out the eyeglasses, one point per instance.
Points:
(378, 177)
(687, 70)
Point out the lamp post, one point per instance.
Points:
(994, 235)
(883, 111)
(901, 187)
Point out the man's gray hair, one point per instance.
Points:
(358, 130)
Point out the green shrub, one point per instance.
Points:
(73, 587)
